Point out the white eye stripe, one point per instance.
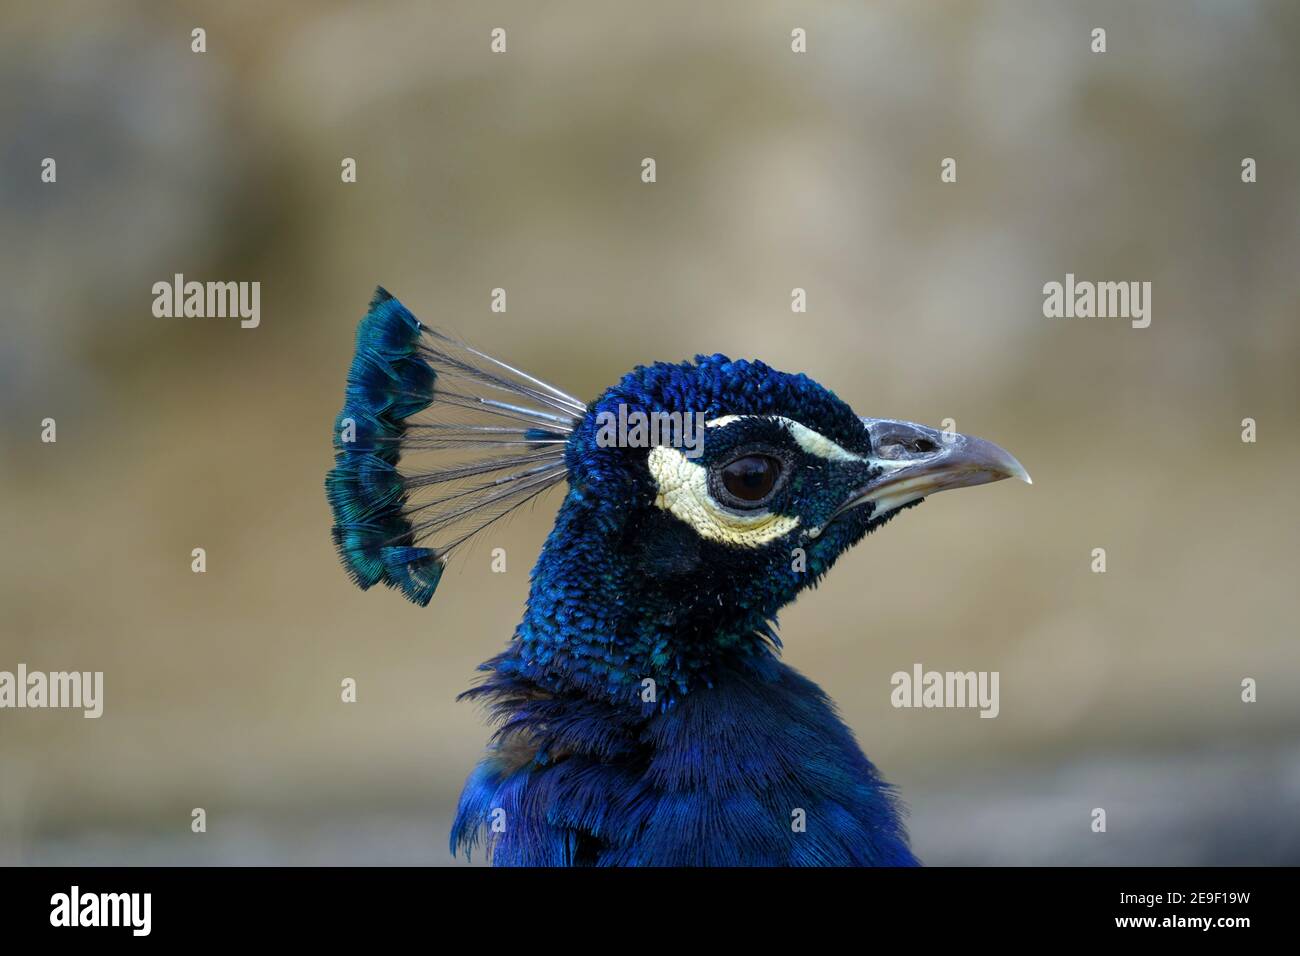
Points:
(813, 442)
(683, 491)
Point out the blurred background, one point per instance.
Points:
(775, 170)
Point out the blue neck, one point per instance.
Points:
(605, 617)
(733, 759)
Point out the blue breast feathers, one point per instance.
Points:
(754, 771)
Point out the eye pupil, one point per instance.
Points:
(751, 478)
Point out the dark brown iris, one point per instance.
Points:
(751, 478)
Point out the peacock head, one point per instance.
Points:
(702, 496)
(729, 482)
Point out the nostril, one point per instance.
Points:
(898, 446)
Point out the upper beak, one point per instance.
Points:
(920, 461)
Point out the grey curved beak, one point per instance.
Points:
(919, 461)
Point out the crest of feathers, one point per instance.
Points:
(436, 441)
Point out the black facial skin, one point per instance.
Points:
(809, 487)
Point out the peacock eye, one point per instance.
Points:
(751, 479)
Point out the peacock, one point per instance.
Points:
(643, 714)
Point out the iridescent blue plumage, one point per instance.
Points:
(388, 382)
(754, 769)
(644, 715)
(400, 368)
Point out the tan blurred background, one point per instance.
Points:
(775, 170)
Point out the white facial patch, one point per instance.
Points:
(683, 491)
(684, 487)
